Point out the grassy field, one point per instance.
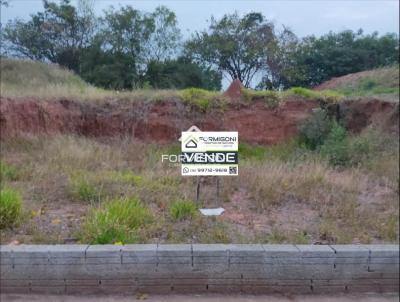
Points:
(76, 189)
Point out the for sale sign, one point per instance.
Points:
(209, 153)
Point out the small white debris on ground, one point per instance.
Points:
(212, 212)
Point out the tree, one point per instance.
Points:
(277, 69)
(134, 37)
(88, 19)
(126, 42)
(181, 73)
(315, 60)
(165, 37)
(57, 35)
(126, 30)
(236, 46)
(107, 68)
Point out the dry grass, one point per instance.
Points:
(58, 176)
(279, 182)
(49, 81)
(385, 77)
(381, 81)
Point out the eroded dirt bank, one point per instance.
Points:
(163, 121)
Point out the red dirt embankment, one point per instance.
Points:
(358, 114)
(162, 122)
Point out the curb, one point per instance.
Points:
(199, 268)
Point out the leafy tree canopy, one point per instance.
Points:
(314, 60)
(180, 74)
(236, 46)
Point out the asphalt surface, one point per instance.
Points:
(205, 298)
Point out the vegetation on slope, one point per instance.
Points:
(327, 187)
(21, 78)
(381, 81)
(10, 207)
(49, 81)
(25, 78)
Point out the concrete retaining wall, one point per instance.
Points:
(84, 269)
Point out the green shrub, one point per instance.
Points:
(304, 92)
(371, 145)
(119, 220)
(362, 147)
(199, 97)
(271, 98)
(8, 172)
(330, 139)
(83, 188)
(315, 129)
(10, 207)
(182, 209)
(247, 151)
(126, 177)
(336, 146)
(328, 96)
(283, 151)
(368, 84)
(342, 149)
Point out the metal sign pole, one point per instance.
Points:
(197, 188)
(218, 203)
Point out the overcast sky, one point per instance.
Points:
(303, 17)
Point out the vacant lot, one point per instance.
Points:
(118, 190)
(326, 185)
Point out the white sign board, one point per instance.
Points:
(209, 153)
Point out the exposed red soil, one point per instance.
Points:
(162, 122)
(358, 114)
(234, 91)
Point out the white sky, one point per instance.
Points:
(303, 17)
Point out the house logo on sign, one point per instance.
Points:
(191, 129)
(191, 142)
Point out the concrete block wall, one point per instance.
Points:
(197, 268)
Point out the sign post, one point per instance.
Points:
(197, 188)
(209, 154)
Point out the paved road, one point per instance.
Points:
(204, 298)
